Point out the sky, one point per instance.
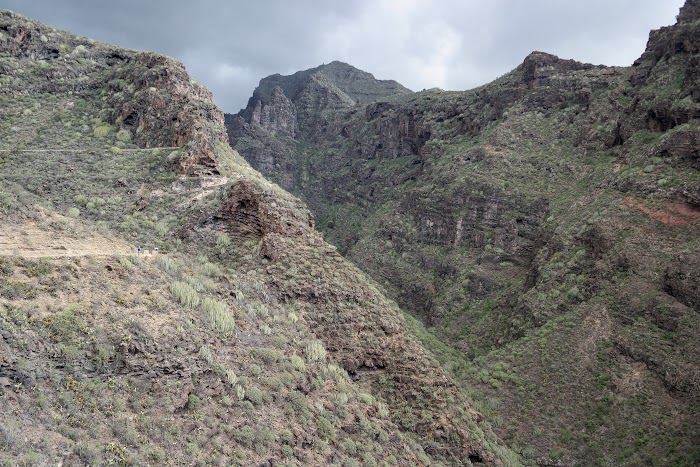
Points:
(229, 45)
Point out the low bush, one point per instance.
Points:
(315, 351)
(167, 264)
(219, 316)
(185, 294)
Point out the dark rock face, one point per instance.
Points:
(539, 67)
(278, 115)
(681, 281)
(166, 109)
(356, 84)
(690, 12)
(667, 75)
(283, 108)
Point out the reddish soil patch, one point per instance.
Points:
(668, 213)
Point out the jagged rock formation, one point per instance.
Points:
(244, 339)
(545, 225)
(284, 106)
(149, 95)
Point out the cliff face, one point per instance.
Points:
(149, 95)
(522, 220)
(283, 107)
(240, 337)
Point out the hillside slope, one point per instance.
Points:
(238, 337)
(545, 226)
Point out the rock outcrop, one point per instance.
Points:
(149, 95)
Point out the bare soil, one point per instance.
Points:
(31, 240)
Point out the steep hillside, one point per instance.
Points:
(237, 336)
(546, 227)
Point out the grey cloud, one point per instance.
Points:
(454, 44)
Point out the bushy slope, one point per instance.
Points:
(243, 339)
(544, 226)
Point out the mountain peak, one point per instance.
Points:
(689, 12)
(539, 65)
(359, 85)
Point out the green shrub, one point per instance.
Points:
(161, 229)
(211, 270)
(219, 316)
(88, 453)
(297, 403)
(39, 268)
(156, 454)
(565, 436)
(223, 242)
(315, 351)
(231, 377)
(193, 403)
(245, 436)
(124, 261)
(366, 398)
(287, 452)
(264, 438)
(205, 353)
(268, 356)
(382, 409)
(349, 446)
(80, 199)
(67, 323)
(102, 131)
(185, 294)
(124, 136)
(325, 429)
(298, 363)
(200, 283)
(167, 264)
(73, 212)
(342, 399)
(254, 369)
(337, 373)
(7, 202)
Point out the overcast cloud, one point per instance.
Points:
(452, 44)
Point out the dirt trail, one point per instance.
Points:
(30, 240)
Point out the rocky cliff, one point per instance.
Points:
(543, 225)
(283, 107)
(149, 95)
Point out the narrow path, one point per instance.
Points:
(30, 240)
(86, 149)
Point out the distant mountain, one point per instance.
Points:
(359, 85)
(545, 227)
